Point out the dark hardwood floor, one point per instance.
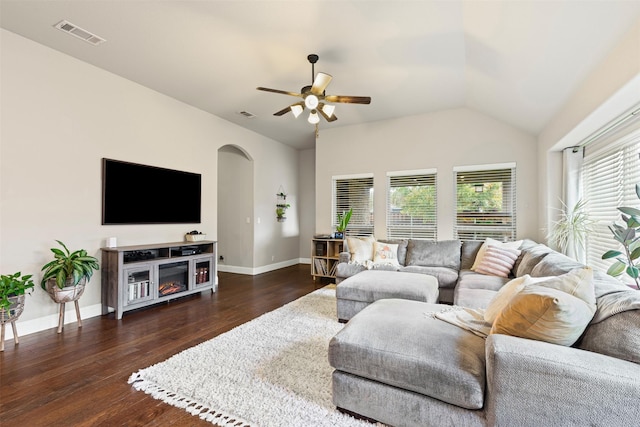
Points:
(79, 377)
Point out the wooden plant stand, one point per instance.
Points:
(61, 316)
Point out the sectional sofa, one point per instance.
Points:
(398, 362)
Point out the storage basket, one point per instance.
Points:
(195, 237)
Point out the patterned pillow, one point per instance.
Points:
(557, 310)
(493, 242)
(361, 248)
(385, 253)
(497, 261)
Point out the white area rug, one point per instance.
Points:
(271, 371)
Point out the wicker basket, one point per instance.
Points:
(14, 311)
(66, 294)
(195, 237)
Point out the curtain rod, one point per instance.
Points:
(634, 114)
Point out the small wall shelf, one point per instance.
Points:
(325, 254)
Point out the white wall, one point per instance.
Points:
(307, 201)
(440, 140)
(60, 116)
(609, 91)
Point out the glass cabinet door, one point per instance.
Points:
(202, 271)
(173, 278)
(138, 284)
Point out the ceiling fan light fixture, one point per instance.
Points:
(328, 109)
(311, 102)
(313, 117)
(296, 110)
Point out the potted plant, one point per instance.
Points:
(569, 233)
(281, 210)
(343, 221)
(65, 277)
(627, 235)
(12, 290)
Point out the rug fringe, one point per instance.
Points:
(182, 402)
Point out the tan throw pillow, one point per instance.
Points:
(385, 253)
(493, 242)
(361, 248)
(508, 291)
(557, 310)
(497, 261)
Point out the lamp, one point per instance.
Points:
(328, 109)
(296, 110)
(311, 102)
(313, 117)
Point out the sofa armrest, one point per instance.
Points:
(344, 257)
(345, 270)
(529, 381)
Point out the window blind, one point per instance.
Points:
(357, 193)
(611, 169)
(412, 205)
(485, 203)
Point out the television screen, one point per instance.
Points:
(139, 194)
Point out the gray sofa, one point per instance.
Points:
(396, 363)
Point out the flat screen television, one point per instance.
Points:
(138, 194)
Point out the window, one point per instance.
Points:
(485, 202)
(411, 205)
(610, 172)
(354, 191)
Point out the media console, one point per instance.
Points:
(137, 276)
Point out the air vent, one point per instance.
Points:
(78, 32)
(247, 114)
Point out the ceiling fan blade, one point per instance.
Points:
(283, 92)
(320, 83)
(348, 99)
(282, 112)
(331, 118)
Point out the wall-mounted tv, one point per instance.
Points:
(138, 194)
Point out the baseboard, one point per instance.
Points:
(252, 271)
(51, 321)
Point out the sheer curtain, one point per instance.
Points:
(572, 159)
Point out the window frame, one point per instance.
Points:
(397, 230)
(362, 219)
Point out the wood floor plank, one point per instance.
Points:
(79, 377)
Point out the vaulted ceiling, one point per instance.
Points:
(517, 61)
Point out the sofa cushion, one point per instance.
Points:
(617, 336)
(361, 248)
(468, 253)
(447, 277)
(429, 253)
(475, 290)
(530, 258)
(493, 242)
(556, 310)
(396, 342)
(402, 248)
(385, 253)
(372, 285)
(554, 264)
(526, 244)
(497, 261)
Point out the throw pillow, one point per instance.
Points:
(385, 253)
(493, 242)
(506, 293)
(361, 248)
(497, 261)
(557, 310)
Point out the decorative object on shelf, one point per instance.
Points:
(343, 221)
(12, 291)
(281, 205)
(65, 277)
(628, 236)
(195, 236)
(569, 233)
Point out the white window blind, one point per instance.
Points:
(357, 193)
(485, 202)
(611, 169)
(412, 205)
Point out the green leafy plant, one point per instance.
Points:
(343, 220)
(571, 230)
(69, 268)
(627, 234)
(13, 285)
(281, 209)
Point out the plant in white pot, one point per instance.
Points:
(12, 290)
(65, 277)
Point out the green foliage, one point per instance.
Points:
(343, 220)
(572, 228)
(75, 265)
(13, 285)
(415, 201)
(281, 209)
(628, 236)
(487, 200)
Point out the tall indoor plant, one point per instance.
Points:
(627, 235)
(65, 277)
(343, 221)
(569, 232)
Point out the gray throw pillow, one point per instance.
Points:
(617, 336)
(429, 253)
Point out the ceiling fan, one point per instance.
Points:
(314, 98)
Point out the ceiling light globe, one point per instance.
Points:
(328, 109)
(313, 118)
(296, 110)
(311, 102)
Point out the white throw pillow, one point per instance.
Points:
(361, 248)
(497, 261)
(385, 253)
(493, 242)
(504, 295)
